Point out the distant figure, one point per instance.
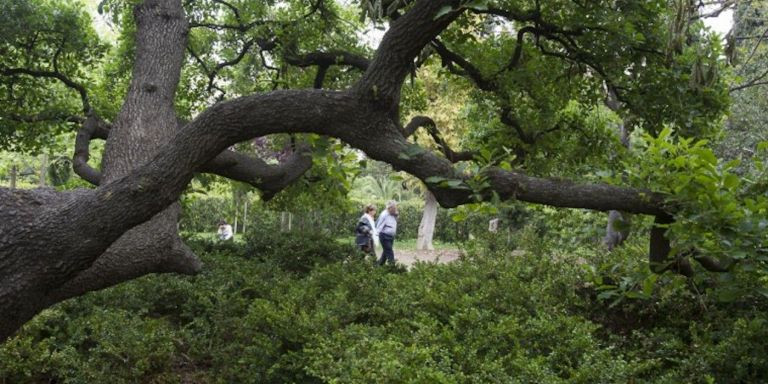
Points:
(365, 230)
(493, 225)
(386, 226)
(225, 230)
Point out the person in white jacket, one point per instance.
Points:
(225, 231)
(386, 227)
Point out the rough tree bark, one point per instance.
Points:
(54, 245)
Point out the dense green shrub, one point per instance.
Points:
(296, 251)
(530, 316)
(203, 214)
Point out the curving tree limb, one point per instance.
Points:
(92, 128)
(324, 60)
(467, 69)
(429, 124)
(270, 179)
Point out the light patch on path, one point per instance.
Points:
(410, 257)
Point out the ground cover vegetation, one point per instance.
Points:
(538, 316)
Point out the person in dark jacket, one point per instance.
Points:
(365, 230)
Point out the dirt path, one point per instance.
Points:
(409, 257)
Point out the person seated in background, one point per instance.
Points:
(225, 230)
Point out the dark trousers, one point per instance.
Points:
(388, 255)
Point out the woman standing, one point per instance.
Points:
(386, 227)
(365, 230)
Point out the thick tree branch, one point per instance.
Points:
(429, 124)
(405, 39)
(149, 248)
(659, 250)
(323, 60)
(468, 68)
(567, 194)
(509, 185)
(270, 179)
(509, 120)
(518, 53)
(93, 128)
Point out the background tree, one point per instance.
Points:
(748, 50)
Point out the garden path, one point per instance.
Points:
(408, 257)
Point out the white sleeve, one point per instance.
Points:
(375, 233)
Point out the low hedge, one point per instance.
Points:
(492, 316)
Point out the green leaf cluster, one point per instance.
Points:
(719, 212)
(48, 37)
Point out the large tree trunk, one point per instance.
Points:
(427, 225)
(146, 122)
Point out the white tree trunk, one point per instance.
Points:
(285, 221)
(427, 226)
(43, 169)
(234, 228)
(14, 172)
(245, 214)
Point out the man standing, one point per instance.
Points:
(386, 227)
